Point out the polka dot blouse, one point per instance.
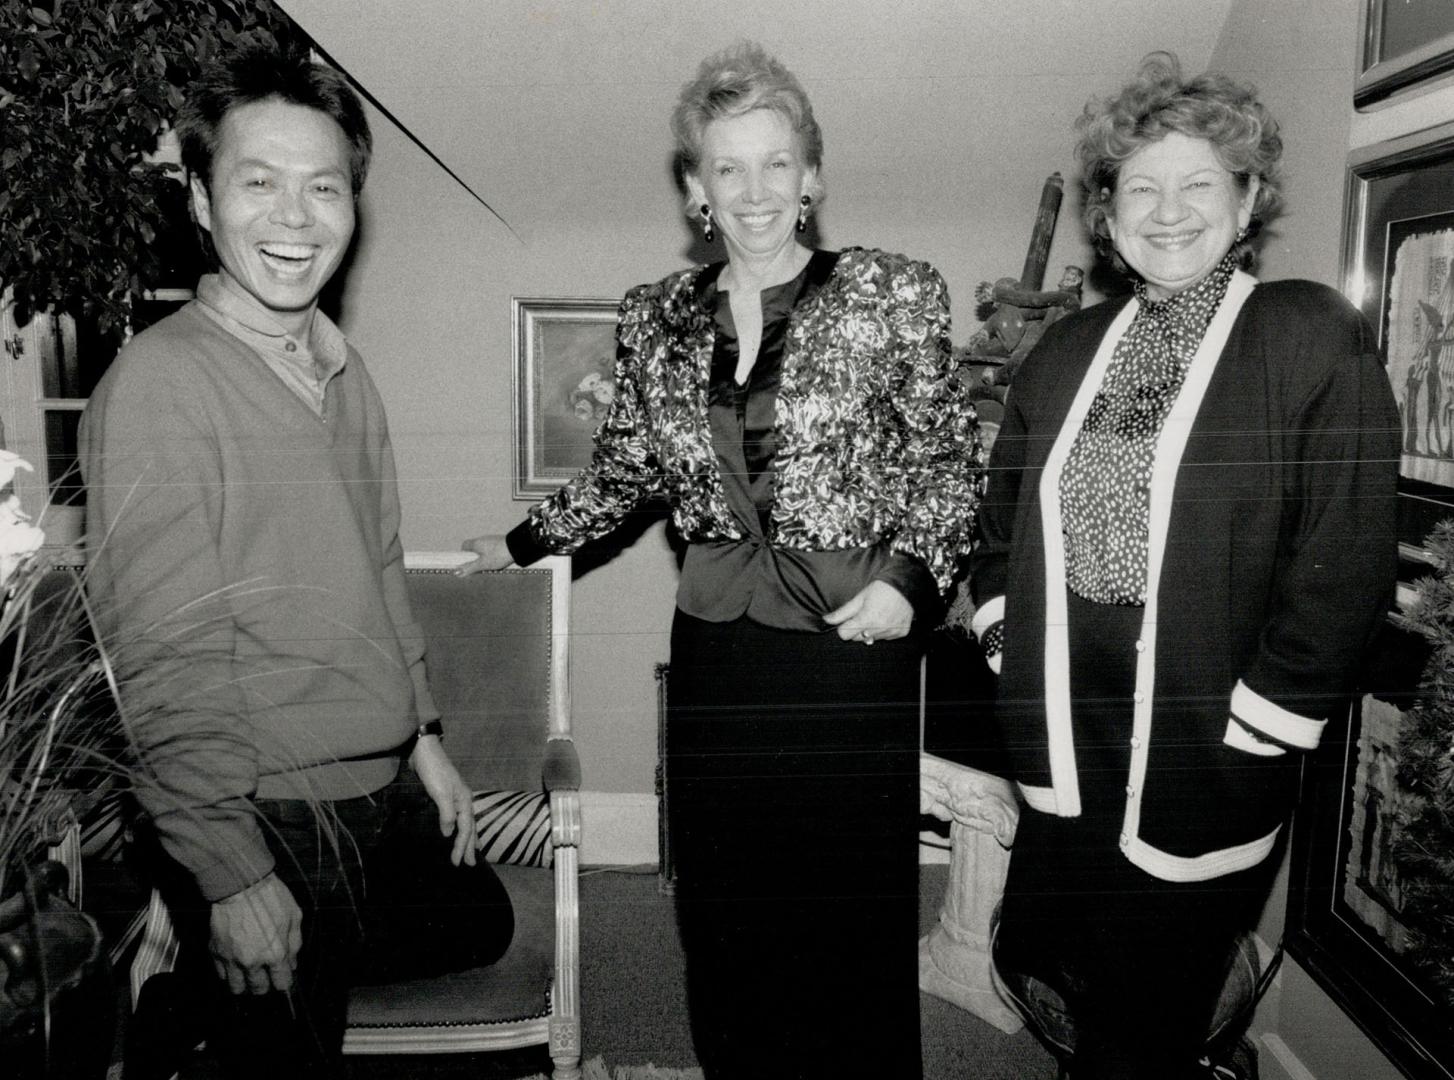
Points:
(1105, 488)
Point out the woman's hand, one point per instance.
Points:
(878, 613)
(491, 553)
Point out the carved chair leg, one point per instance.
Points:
(565, 1049)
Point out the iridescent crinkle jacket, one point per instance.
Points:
(877, 440)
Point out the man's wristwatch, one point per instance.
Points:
(429, 727)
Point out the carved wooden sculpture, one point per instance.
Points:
(1023, 309)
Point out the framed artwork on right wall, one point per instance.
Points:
(1354, 914)
(1398, 269)
(1348, 914)
(1405, 42)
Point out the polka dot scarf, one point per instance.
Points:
(1105, 489)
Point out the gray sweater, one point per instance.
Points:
(246, 566)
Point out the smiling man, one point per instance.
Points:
(248, 575)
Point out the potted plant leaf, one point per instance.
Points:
(59, 753)
(87, 207)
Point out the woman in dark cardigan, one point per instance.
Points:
(1186, 544)
(798, 410)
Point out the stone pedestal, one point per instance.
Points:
(954, 958)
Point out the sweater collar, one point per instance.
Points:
(324, 353)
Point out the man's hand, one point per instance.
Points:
(256, 935)
(491, 553)
(451, 795)
(879, 612)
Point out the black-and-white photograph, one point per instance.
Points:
(642, 540)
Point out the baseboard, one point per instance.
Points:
(618, 828)
(1283, 1059)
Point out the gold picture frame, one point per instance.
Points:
(564, 354)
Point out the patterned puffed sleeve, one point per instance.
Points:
(940, 455)
(623, 471)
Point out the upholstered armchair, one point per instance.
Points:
(497, 655)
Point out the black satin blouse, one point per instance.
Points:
(779, 587)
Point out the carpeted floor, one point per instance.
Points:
(633, 1003)
(595, 1069)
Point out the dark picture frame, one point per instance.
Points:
(1343, 922)
(1405, 42)
(1398, 269)
(564, 354)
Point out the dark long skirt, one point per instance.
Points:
(1139, 960)
(793, 768)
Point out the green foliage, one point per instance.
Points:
(86, 87)
(1424, 850)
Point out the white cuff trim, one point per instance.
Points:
(1274, 721)
(1239, 738)
(987, 614)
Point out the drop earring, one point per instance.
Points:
(707, 233)
(806, 202)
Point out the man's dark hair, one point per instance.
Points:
(260, 72)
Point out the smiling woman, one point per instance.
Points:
(1176, 211)
(752, 179)
(799, 410)
(1187, 541)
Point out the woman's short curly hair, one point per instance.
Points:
(1159, 101)
(737, 80)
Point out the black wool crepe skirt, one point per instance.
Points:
(1140, 961)
(793, 764)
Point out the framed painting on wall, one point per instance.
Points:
(1347, 912)
(1399, 270)
(565, 350)
(1404, 43)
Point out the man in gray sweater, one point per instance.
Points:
(248, 573)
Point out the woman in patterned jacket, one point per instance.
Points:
(799, 411)
(1187, 544)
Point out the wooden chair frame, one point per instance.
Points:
(560, 1029)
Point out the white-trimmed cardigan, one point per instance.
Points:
(1271, 563)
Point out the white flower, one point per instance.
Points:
(19, 539)
(9, 462)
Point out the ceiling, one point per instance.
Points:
(548, 108)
